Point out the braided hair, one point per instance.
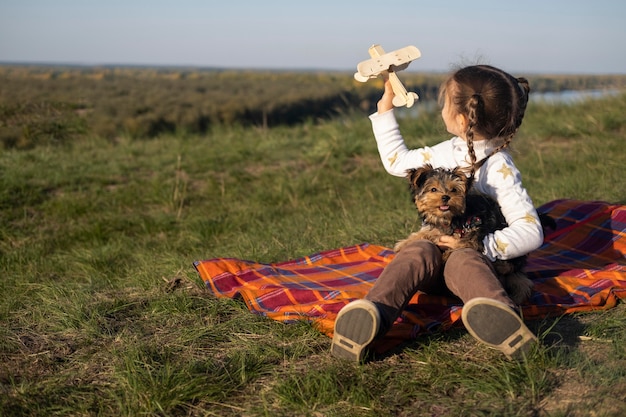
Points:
(493, 101)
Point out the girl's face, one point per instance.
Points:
(455, 122)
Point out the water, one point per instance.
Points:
(572, 96)
(550, 97)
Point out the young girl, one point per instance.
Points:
(483, 108)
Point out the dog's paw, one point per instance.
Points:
(398, 247)
(402, 243)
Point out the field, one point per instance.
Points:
(40, 105)
(102, 313)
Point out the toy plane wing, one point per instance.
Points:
(390, 62)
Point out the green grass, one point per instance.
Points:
(102, 312)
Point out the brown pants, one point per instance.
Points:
(418, 267)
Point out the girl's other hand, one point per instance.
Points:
(386, 101)
(449, 242)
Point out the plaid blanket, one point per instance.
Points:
(580, 267)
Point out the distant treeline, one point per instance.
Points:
(41, 104)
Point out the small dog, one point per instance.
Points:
(447, 207)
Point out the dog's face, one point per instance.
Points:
(439, 194)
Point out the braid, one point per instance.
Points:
(504, 145)
(475, 109)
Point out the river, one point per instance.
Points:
(550, 97)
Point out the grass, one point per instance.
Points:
(103, 314)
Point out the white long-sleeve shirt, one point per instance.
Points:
(498, 178)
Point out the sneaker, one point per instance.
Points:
(497, 325)
(355, 327)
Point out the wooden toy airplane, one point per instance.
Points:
(391, 63)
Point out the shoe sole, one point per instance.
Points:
(510, 335)
(355, 328)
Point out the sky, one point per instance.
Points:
(530, 36)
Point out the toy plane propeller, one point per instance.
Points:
(390, 62)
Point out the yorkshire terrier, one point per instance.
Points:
(447, 207)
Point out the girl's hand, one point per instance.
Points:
(386, 101)
(449, 242)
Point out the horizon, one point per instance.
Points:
(177, 67)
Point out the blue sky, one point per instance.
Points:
(527, 36)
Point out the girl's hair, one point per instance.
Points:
(493, 101)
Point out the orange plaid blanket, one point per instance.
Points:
(580, 267)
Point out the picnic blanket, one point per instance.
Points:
(581, 266)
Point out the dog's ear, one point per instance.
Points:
(417, 177)
(462, 174)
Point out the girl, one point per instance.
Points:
(483, 108)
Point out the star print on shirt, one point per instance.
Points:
(530, 218)
(501, 246)
(392, 160)
(426, 156)
(505, 171)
